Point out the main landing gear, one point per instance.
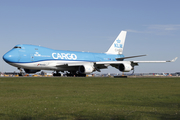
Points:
(70, 74)
(57, 73)
(75, 75)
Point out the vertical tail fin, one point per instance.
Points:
(118, 44)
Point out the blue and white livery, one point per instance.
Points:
(33, 58)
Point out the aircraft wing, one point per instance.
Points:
(125, 66)
(134, 62)
(156, 61)
(107, 63)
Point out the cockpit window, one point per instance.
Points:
(17, 47)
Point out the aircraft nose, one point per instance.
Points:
(11, 56)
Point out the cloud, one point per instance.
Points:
(164, 27)
(157, 29)
(134, 31)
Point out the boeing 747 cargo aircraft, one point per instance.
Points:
(33, 58)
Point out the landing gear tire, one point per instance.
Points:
(56, 74)
(20, 74)
(75, 75)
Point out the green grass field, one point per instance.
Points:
(30, 98)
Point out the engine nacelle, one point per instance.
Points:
(86, 69)
(31, 70)
(125, 67)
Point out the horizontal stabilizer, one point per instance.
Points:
(122, 58)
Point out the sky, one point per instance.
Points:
(153, 28)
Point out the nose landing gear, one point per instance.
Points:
(21, 73)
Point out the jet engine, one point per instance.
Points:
(31, 70)
(85, 69)
(125, 67)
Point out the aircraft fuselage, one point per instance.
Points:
(37, 57)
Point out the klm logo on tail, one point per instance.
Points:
(118, 44)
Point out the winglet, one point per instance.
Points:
(173, 60)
